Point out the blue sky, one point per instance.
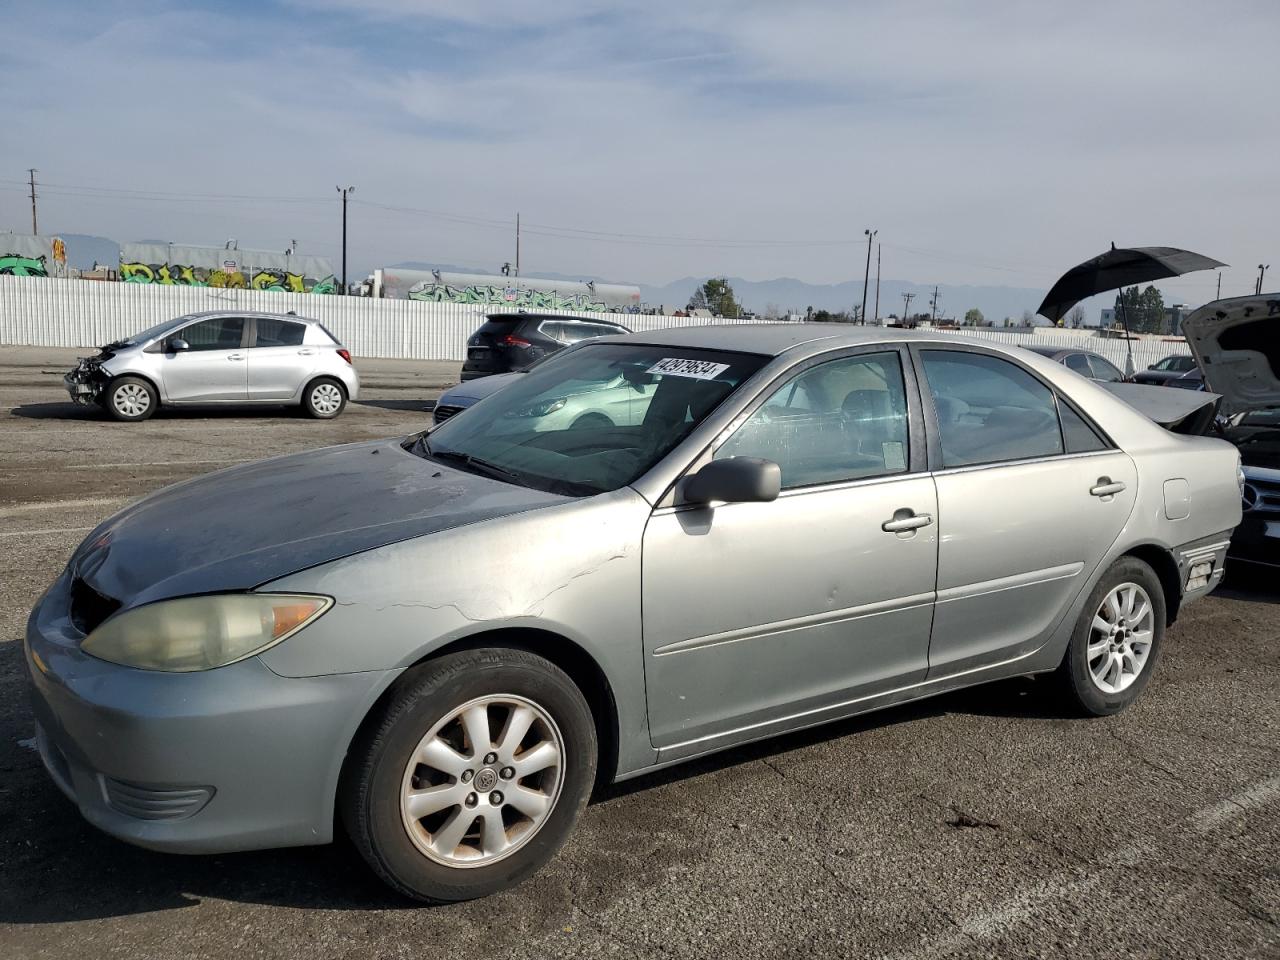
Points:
(990, 143)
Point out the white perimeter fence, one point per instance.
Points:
(43, 311)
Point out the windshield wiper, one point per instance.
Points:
(474, 463)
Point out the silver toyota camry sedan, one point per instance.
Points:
(444, 642)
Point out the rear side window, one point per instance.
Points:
(1079, 436)
(279, 333)
(989, 410)
(219, 333)
(1102, 370)
(1079, 363)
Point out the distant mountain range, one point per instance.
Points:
(788, 293)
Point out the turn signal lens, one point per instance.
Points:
(201, 633)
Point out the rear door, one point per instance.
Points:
(213, 368)
(279, 361)
(1030, 498)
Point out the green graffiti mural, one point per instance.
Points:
(186, 275)
(16, 265)
(490, 295)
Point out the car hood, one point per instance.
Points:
(477, 389)
(238, 528)
(1237, 344)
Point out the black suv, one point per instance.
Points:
(512, 341)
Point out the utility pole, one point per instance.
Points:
(1218, 295)
(1262, 270)
(867, 273)
(877, 316)
(31, 171)
(933, 305)
(906, 306)
(517, 243)
(344, 191)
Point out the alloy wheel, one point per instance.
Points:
(1120, 638)
(483, 781)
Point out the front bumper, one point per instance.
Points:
(236, 758)
(1257, 539)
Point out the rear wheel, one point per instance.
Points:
(472, 776)
(1116, 643)
(130, 398)
(324, 398)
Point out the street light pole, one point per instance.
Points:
(1262, 272)
(866, 275)
(344, 191)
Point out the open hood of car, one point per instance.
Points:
(1237, 344)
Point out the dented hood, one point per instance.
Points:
(238, 528)
(1237, 344)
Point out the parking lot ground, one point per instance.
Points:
(985, 823)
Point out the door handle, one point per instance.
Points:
(307, 352)
(1105, 487)
(905, 520)
(235, 356)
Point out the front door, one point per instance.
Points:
(1030, 498)
(212, 368)
(758, 615)
(279, 362)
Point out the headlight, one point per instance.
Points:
(200, 633)
(538, 409)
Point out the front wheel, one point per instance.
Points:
(130, 398)
(324, 399)
(472, 776)
(1116, 643)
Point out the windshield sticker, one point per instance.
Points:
(694, 369)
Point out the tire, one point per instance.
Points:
(324, 398)
(130, 399)
(1105, 670)
(417, 856)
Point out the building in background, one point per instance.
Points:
(1171, 325)
(512, 293)
(227, 267)
(25, 255)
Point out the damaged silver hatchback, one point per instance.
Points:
(782, 525)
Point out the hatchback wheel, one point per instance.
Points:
(324, 399)
(130, 398)
(1116, 643)
(472, 776)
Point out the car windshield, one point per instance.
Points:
(590, 420)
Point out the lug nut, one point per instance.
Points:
(472, 799)
(490, 758)
(467, 775)
(507, 773)
(495, 798)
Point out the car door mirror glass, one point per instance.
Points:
(735, 480)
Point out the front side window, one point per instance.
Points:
(989, 409)
(841, 420)
(219, 333)
(279, 333)
(591, 419)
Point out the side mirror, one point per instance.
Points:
(1153, 366)
(177, 345)
(735, 480)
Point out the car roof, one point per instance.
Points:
(521, 315)
(258, 314)
(773, 339)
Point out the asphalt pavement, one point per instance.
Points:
(983, 823)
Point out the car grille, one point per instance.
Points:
(154, 803)
(89, 607)
(1261, 496)
(443, 413)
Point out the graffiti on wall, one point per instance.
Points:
(489, 294)
(189, 275)
(16, 265)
